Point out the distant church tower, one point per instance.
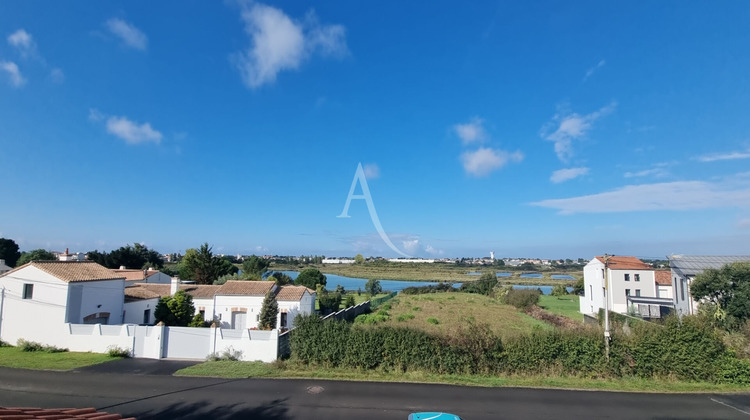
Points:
(492, 255)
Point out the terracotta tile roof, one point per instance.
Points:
(197, 291)
(72, 271)
(625, 263)
(139, 293)
(245, 287)
(292, 293)
(56, 413)
(663, 277)
(200, 291)
(134, 275)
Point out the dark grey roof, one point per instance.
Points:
(690, 265)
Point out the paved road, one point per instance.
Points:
(167, 397)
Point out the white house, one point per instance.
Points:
(235, 304)
(684, 268)
(56, 292)
(663, 280)
(627, 276)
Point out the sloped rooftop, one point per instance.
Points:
(72, 271)
(245, 287)
(690, 265)
(292, 293)
(625, 263)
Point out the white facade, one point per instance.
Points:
(288, 310)
(140, 311)
(622, 283)
(31, 296)
(337, 261)
(664, 291)
(238, 312)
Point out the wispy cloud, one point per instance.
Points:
(128, 33)
(57, 75)
(126, 129)
(433, 251)
(566, 127)
(23, 42)
(681, 195)
(372, 171)
(471, 132)
(594, 69)
(657, 172)
(744, 154)
(15, 78)
(485, 160)
(279, 43)
(562, 175)
(132, 132)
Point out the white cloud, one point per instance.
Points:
(570, 127)
(16, 79)
(655, 172)
(433, 251)
(680, 195)
(484, 160)
(372, 171)
(95, 115)
(471, 131)
(410, 246)
(563, 175)
(23, 42)
(57, 75)
(593, 70)
(279, 43)
(129, 34)
(724, 156)
(132, 132)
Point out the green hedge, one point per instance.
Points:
(689, 350)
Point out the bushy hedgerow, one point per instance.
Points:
(689, 350)
(522, 298)
(438, 288)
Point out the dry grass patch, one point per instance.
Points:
(454, 309)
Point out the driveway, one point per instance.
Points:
(132, 366)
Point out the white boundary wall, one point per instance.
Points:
(155, 342)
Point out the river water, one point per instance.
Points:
(353, 283)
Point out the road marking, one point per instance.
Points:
(730, 406)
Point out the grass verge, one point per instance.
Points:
(14, 357)
(567, 306)
(290, 369)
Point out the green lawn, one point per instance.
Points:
(566, 306)
(13, 357)
(442, 313)
(290, 369)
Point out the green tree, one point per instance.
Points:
(310, 277)
(9, 252)
(255, 266)
(373, 287)
(559, 290)
(177, 310)
(349, 301)
(269, 311)
(359, 259)
(35, 255)
(578, 288)
(484, 285)
(329, 301)
(280, 278)
(727, 289)
(135, 257)
(203, 266)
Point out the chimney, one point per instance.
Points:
(122, 267)
(174, 286)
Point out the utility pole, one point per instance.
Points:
(606, 306)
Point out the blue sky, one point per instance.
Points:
(544, 129)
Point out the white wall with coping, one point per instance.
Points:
(134, 311)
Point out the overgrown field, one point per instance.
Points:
(434, 272)
(443, 313)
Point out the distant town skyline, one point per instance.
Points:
(531, 129)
